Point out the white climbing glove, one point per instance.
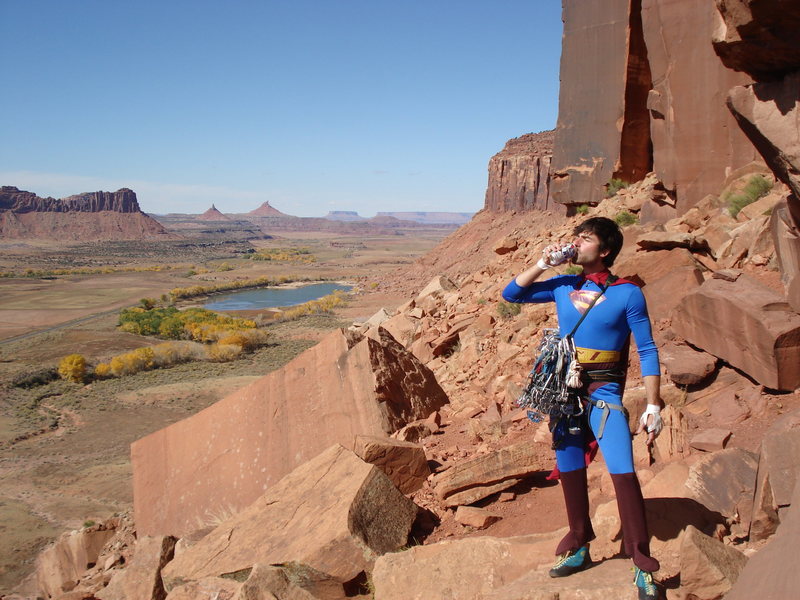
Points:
(556, 254)
(656, 424)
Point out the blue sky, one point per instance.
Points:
(312, 105)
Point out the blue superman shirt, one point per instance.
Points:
(619, 312)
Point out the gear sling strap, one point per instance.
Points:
(554, 382)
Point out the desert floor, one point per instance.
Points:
(64, 447)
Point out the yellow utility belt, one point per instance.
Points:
(590, 355)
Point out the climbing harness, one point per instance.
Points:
(555, 381)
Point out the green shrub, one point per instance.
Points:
(757, 187)
(582, 209)
(624, 218)
(35, 378)
(573, 270)
(507, 310)
(615, 185)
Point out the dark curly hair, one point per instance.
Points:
(609, 234)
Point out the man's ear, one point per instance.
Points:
(604, 253)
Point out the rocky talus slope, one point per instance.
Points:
(463, 481)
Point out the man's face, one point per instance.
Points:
(588, 246)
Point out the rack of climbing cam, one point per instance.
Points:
(546, 392)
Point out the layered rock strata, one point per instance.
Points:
(519, 175)
(85, 217)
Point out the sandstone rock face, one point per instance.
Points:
(519, 175)
(208, 588)
(778, 474)
(289, 582)
(695, 140)
(403, 462)
(758, 37)
(486, 474)
(685, 365)
(91, 216)
(709, 568)
(786, 233)
(335, 514)
(123, 201)
(768, 113)
(772, 572)
(746, 325)
(64, 562)
(142, 578)
(486, 568)
(725, 482)
(226, 456)
(588, 141)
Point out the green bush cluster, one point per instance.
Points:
(323, 305)
(50, 273)
(757, 187)
(507, 310)
(615, 185)
(625, 218)
(170, 323)
(582, 209)
(302, 255)
(35, 378)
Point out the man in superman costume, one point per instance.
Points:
(602, 342)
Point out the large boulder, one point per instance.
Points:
(60, 566)
(479, 477)
(685, 365)
(142, 577)
(335, 513)
(758, 37)
(224, 457)
(786, 235)
(724, 482)
(745, 324)
(771, 574)
(292, 581)
(403, 462)
(768, 114)
(778, 474)
(709, 568)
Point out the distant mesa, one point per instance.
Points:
(344, 215)
(266, 210)
(431, 218)
(212, 214)
(92, 216)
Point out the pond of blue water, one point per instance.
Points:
(272, 297)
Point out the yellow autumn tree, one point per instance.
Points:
(73, 368)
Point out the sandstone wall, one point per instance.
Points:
(123, 201)
(696, 142)
(591, 100)
(641, 90)
(215, 463)
(519, 175)
(85, 217)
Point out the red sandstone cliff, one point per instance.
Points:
(519, 175)
(641, 90)
(87, 217)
